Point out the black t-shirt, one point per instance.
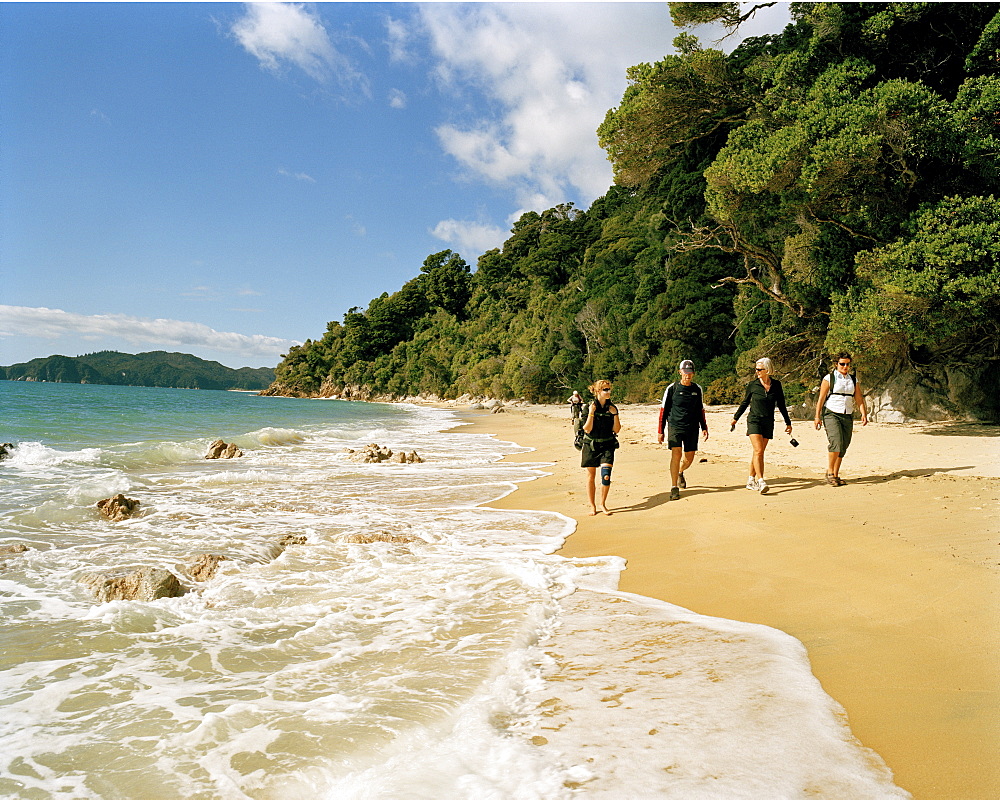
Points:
(682, 407)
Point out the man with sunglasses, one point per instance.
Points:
(682, 413)
(839, 394)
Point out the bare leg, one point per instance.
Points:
(833, 464)
(591, 488)
(688, 459)
(675, 465)
(757, 460)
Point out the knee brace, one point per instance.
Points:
(605, 475)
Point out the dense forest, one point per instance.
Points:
(833, 186)
(168, 370)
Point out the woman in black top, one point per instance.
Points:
(763, 395)
(599, 443)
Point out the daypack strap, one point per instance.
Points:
(854, 381)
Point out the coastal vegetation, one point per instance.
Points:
(832, 186)
(168, 370)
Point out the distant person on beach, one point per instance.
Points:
(839, 394)
(599, 443)
(575, 405)
(763, 395)
(682, 411)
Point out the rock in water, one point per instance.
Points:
(370, 538)
(376, 454)
(145, 583)
(219, 449)
(118, 507)
(203, 567)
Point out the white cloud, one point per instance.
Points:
(552, 70)
(299, 176)
(397, 98)
(279, 33)
(398, 40)
(51, 323)
(469, 238)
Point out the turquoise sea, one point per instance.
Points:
(424, 667)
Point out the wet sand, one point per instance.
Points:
(892, 582)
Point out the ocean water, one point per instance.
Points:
(466, 659)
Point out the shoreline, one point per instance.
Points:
(892, 582)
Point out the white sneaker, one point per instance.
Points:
(752, 484)
(762, 487)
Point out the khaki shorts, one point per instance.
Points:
(839, 429)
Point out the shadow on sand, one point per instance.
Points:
(963, 429)
(780, 485)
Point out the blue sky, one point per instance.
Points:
(224, 179)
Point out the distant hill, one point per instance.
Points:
(158, 368)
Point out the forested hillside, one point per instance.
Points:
(158, 368)
(833, 186)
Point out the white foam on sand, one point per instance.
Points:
(645, 699)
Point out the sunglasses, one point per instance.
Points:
(760, 369)
(843, 363)
(605, 390)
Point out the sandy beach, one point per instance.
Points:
(891, 582)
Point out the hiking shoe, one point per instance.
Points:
(681, 482)
(762, 487)
(752, 484)
(675, 493)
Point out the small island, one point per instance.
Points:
(157, 368)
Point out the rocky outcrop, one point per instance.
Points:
(6, 450)
(202, 568)
(144, 583)
(118, 508)
(219, 449)
(376, 454)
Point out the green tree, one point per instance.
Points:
(447, 282)
(932, 294)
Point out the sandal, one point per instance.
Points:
(833, 480)
(841, 481)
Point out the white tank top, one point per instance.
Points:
(841, 398)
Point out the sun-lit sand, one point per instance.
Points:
(892, 582)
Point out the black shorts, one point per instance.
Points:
(683, 438)
(594, 454)
(764, 427)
